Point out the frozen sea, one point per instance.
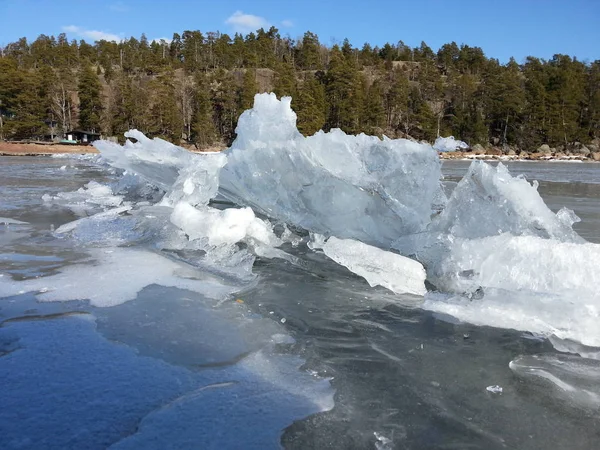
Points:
(330, 291)
(305, 355)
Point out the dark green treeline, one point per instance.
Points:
(193, 88)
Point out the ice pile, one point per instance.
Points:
(489, 201)
(182, 175)
(448, 144)
(368, 201)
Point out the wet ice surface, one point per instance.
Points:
(156, 369)
(167, 367)
(242, 322)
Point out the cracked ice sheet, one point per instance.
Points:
(91, 393)
(116, 275)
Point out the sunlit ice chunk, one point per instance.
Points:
(358, 187)
(229, 226)
(379, 267)
(185, 176)
(489, 201)
(520, 262)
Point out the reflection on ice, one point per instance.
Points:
(571, 378)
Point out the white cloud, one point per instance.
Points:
(167, 40)
(94, 35)
(245, 23)
(119, 7)
(287, 23)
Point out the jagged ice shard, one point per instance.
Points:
(356, 187)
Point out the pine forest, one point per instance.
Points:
(192, 89)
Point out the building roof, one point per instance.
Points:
(83, 132)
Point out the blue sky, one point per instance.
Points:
(502, 28)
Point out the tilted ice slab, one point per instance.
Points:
(155, 160)
(487, 202)
(357, 187)
(183, 175)
(490, 201)
(524, 262)
(379, 267)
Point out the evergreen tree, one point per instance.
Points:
(248, 90)
(535, 114)
(505, 100)
(308, 53)
(344, 92)
(285, 80)
(166, 121)
(204, 133)
(90, 102)
(396, 102)
(224, 101)
(373, 116)
(310, 107)
(592, 116)
(22, 108)
(566, 93)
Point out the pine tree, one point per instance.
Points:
(224, 101)
(90, 102)
(373, 116)
(344, 92)
(504, 100)
(248, 90)
(285, 80)
(166, 121)
(22, 106)
(204, 133)
(592, 116)
(565, 98)
(309, 52)
(396, 102)
(310, 106)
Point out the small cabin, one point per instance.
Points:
(81, 136)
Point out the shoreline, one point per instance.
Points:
(466, 156)
(43, 149)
